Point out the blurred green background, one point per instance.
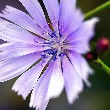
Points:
(95, 98)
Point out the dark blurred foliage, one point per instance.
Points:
(95, 98)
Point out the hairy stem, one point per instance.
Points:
(97, 10)
(103, 66)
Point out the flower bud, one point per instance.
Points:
(89, 56)
(103, 44)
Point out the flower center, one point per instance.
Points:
(56, 47)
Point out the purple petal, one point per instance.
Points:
(80, 47)
(50, 85)
(26, 81)
(52, 7)
(18, 49)
(41, 87)
(79, 40)
(22, 19)
(84, 33)
(73, 82)
(16, 66)
(13, 33)
(80, 65)
(44, 105)
(69, 18)
(57, 82)
(36, 12)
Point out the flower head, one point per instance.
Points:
(46, 55)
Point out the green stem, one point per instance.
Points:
(97, 10)
(105, 67)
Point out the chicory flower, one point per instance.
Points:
(46, 56)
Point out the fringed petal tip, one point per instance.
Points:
(14, 89)
(93, 21)
(74, 97)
